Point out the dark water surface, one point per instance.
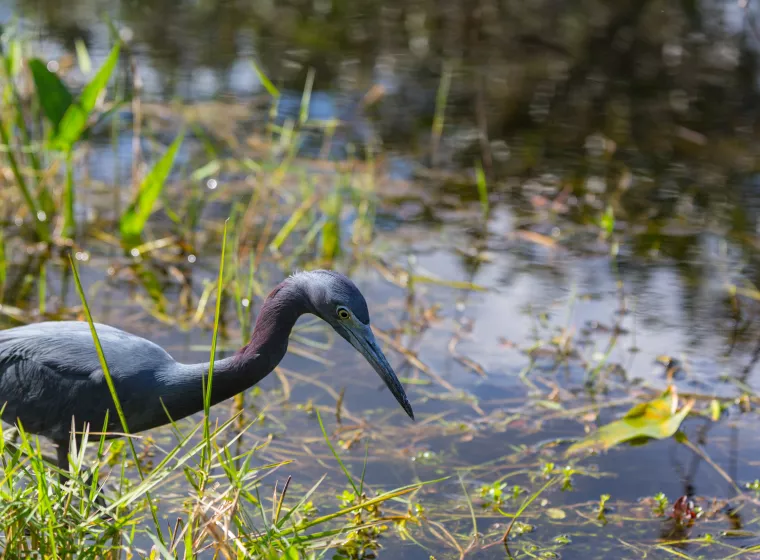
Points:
(650, 108)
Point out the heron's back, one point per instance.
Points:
(50, 372)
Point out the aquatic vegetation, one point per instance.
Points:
(70, 117)
(659, 418)
(134, 218)
(522, 296)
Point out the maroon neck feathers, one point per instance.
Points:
(269, 342)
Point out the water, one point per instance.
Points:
(647, 108)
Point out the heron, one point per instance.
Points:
(51, 380)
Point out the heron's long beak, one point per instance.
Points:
(361, 337)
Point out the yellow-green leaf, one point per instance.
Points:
(658, 419)
(715, 410)
(74, 121)
(556, 513)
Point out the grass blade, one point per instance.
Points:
(480, 180)
(136, 216)
(69, 222)
(337, 457)
(265, 81)
(41, 227)
(532, 498)
(207, 385)
(3, 265)
(112, 388)
(74, 121)
(83, 56)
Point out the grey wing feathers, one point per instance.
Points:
(67, 349)
(50, 372)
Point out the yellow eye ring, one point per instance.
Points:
(343, 313)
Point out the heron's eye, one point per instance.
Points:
(343, 313)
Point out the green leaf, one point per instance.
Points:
(74, 122)
(91, 93)
(556, 513)
(53, 94)
(290, 554)
(607, 221)
(135, 217)
(657, 419)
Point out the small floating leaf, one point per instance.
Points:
(556, 513)
(658, 419)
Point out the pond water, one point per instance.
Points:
(646, 108)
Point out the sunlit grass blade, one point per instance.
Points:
(380, 498)
(69, 222)
(3, 265)
(136, 215)
(83, 56)
(480, 180)
(532, 498)
(207, 385)
(291, 224)
(303, 114)
(330, 246)
(112, 387)
(265, 81)
(12, 65)
(337, 457)
(41, 226)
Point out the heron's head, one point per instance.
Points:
(336, 300)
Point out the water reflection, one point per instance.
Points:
(648, 108)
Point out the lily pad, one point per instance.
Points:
(659, 418)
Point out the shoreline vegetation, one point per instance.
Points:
(165, 216)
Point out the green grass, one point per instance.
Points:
(240, 481)
(223, 509)
(223, 506)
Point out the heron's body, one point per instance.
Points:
(50, 372)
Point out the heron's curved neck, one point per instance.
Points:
(260, 356)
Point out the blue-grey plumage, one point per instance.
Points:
(50, 372)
